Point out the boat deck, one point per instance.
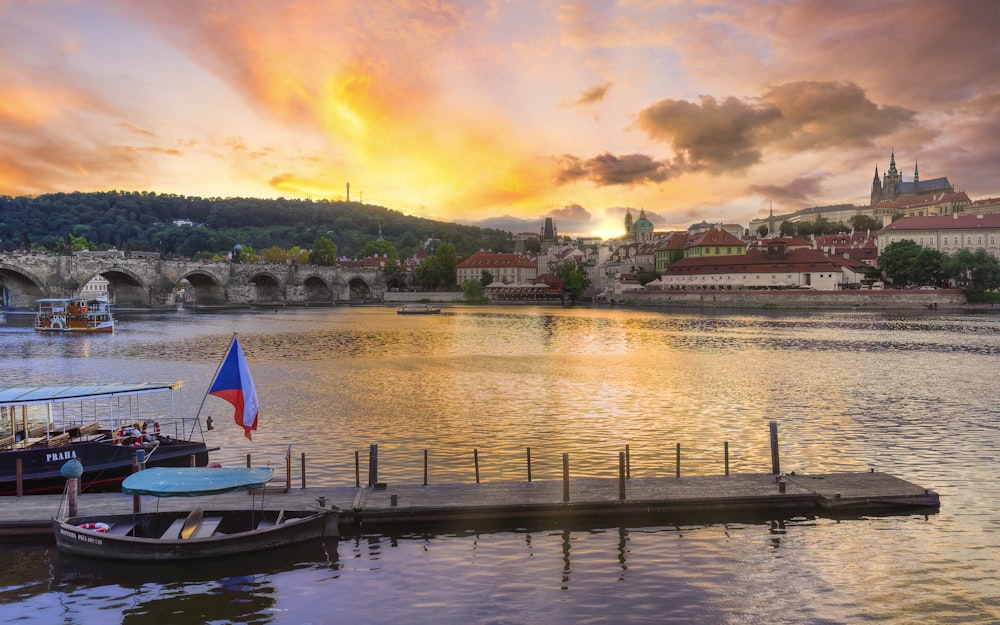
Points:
(471, 506)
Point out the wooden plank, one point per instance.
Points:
(207, 527)
(121, 529)
(174, 531)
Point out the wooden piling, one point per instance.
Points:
(621, 475)
(372, 465)
(678, 461)
(529, 463)
(565, 478)
(303, 469)
(19, 471)
(425, 467)
(357, 469)
(475, 456)
(775, 463)
(628, 462)
(725, 451)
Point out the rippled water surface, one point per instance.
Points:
(910, 394)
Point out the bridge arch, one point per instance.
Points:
(266, 288)
(317, 290)
(20, 287)
(359, 289)
(201, 287)
(125, 287)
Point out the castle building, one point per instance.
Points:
(892, 187)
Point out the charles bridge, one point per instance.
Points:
(156, 283)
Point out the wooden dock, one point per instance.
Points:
(717, 498)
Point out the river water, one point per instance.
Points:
(911, 394)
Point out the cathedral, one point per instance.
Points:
(640, 230)
(891, 187)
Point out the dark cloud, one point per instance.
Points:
(797, 193)
(593, 95)
(608, 169)
(709, 134)
(818, 115)
(732, 134)
(574, 212)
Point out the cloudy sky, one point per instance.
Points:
(501, 112)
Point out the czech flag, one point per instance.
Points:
(234, 384)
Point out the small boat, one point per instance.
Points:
(196, 533)
(417, 309)
(100, 425)
(74, 315)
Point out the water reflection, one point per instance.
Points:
(910, 394)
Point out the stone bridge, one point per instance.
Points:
(155, 283)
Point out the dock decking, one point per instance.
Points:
(495, 504)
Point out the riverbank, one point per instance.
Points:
(889, 299)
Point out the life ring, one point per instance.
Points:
(118, 435)
(97, 527)
(156, 429)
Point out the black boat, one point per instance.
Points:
(195, 533)
(100, 425)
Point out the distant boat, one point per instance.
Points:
(76, 314)
(417, 309)
(195, 533)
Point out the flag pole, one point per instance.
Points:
(215, 375)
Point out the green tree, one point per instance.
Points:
(486, 278)
(864, 222)
(929, 267)
(896, 261)
(762, 231)
(274, 255)
(382, 248)
(324, 252)
(977, 271)
(786, 229)
(473, 290)
(575, 281)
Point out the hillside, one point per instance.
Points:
(145, 221)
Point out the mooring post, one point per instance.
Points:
(621, 475)
(529, 464)
(425, 467)
(372, 465)
(248, 461)
(725, 449)
(138, 464)
(475, 457)
(357, 469)
(565, 478)
(72, 488)
(303, 470)
(19, 472)
(678, 459)
(775, 463)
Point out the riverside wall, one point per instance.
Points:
(856, 300)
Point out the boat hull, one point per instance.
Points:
(105, 464)
(155, 536)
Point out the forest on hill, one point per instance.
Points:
(146, 221)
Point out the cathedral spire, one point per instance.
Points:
(916, 172)
(892, 164)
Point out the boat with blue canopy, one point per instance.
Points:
(196, 533)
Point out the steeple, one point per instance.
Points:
(916, 172)
(628, 221)
(892, 164)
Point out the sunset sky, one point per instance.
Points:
(500, 113)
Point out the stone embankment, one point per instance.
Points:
(913, 299)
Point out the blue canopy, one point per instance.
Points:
(195, 481)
